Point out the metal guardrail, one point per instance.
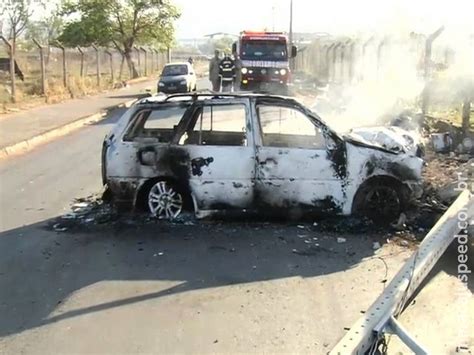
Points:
(365, 334)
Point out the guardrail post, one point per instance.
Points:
(43, 68)
(11, 54)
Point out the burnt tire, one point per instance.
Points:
(379, 201)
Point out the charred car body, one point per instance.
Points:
(250, 152)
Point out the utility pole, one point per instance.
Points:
(290, 36)
(273, 17)
(291, 23)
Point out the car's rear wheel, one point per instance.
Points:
(165, 200)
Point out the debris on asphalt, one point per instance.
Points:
(312, 250)
(59, 228)
(341, 240)
(404, 243)
(376, 246)
(401, 223)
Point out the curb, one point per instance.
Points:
(30, 143)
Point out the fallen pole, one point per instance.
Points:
(380, 318)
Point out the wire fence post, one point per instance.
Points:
(63, 50)
(428, 68)
(11, 54)
(146, 60)
(97, 62)
(157, 63)
(81, 52)
(139, 64)
(110, 54)
(43, 67)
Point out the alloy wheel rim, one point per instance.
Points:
(164, 201)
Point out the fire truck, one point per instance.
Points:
(265, 64)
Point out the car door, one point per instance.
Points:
(298, 164)
(221, 153)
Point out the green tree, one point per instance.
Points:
(125, 23)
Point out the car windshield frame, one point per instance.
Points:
(172, 70)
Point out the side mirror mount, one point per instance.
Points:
(294, 51)
(234, 47)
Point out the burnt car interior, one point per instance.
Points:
(216, 124)
(224, 124)
(156, 125)
(287, 127)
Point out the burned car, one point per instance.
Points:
(250, 153)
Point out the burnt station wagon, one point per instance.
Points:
(250, 152)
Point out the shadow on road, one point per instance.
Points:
(40, 268)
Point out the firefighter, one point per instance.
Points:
(227, 73)
(214, 71)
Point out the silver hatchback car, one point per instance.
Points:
(250, 153)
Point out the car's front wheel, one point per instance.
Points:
(379, 201)
(165, 200)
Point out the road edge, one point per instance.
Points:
(27, 145)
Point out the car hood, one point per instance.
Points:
(389, 139)
(173, 79)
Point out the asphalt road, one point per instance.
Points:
(158, 287)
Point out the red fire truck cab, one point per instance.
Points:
(264, 61)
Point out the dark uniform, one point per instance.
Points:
(227, 73)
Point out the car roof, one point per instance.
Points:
(209, 96)
(177, 63)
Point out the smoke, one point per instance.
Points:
(389, 78)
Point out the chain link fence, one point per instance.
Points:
(71, 72)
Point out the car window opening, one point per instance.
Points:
(217, 125)
(157, 125)
(287, 127)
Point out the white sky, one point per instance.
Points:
(200, 17)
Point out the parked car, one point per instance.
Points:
(250, 152)
(177, 78)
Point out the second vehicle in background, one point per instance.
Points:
(177, 78)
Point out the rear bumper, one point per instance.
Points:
(125, 191)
